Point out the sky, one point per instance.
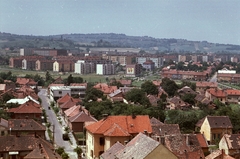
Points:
(216, 21)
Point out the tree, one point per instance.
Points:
(149, 88)
(69, 79)
(60, 150)
(169, 86)
(189, 84)
(78, 150)
(116, 83)
(93, 94)
(137, 96)
(189, 98)
(48, 77)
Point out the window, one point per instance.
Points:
(101, 141)
(60, 92)
(2, 133)
(91, 153)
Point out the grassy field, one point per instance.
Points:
(88, 77)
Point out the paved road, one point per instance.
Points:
(58, 127)
(213, 78)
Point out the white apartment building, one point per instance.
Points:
(57, 92)
(105, 69)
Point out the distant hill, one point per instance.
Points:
(112, 40)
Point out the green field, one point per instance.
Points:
(88, 77)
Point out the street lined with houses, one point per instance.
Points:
(58, 128)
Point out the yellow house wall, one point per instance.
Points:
(109, 141)
(97, 146)
(205, 129)
(223, 146)
(161, 152)
(89, 144)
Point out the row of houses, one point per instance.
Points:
(186, 75)
(141, 137)
(23, 135)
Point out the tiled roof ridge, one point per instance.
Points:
(115, 126)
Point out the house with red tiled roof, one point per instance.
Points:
(26, 81)
(106, 89)
(202, 86)
(106, 132)
(42, 152)
(25, 91)
(160, 129)
(63, 99)
(233, 96)
(214, 127)
(26, 127)
(28, 110)
(230, 144)
(177, 103)
(184, 146)
(77, 122)
(69, 103)
(203, 143)
(213, 94)
(144, 147)
(202, 99)
(20, 146)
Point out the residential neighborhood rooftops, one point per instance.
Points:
(138, 148)
(110, 153)
(232, 141)
(130, 124)
(218, 154)
(24, 124)
(216, 122)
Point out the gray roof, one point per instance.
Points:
(110, 153)
(138, 148)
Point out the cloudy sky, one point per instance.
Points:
(215, 21)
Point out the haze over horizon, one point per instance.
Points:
(216, 21)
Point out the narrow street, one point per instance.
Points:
(58, 128)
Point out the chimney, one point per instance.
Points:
(145, 132)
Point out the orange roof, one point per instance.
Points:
(202, 141)
(105, 88)
(121, 125)
(217, 93)
(28, 107)
(64, 98)
(24, 81)
(233, 92)
(206, 84)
